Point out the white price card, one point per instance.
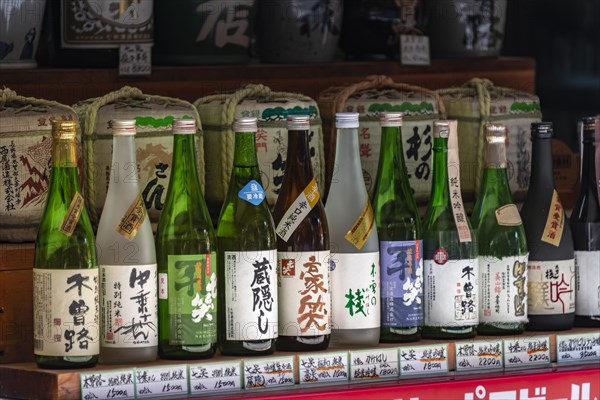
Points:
(268, 373)
(578, 347)
(414, 50)
(164, 381)
(215, 377)
(480, 355)
(526, 351)
(423, 360)
(323, 367)
(373, 364)
(135, 59)
(117, 384)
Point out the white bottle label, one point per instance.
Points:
(503, 289)
(451, 293)
(251, 295)
(129, 308)
(551, 287)
(303, 283)
(65, 312)
(587, 269)
(355, 284)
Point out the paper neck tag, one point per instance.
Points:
(298, 210)
(508, 215)
(133, 218)
(362, 228)
(414, 50)
(456, 202)
(72, 216)
(135, 59)
(555, 222)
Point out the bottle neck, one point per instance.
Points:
(495, 178)
(297, 163)
(588, 168)
(440, 189)
(64, 153)
(124, 160)
(347, 156)
(245, 150)
(185, 170)
(390, 156)
(64, 177)
(542, 176)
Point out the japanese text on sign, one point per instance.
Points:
(166, 381)
(523, 352)
(419, 360)
(319, 368)
(578, 347)
(107, 385)
(274, 372)
(373, 364)
(479, 355)
(215, 377)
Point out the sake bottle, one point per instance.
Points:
(451, 265)
(400, 239)
(127, 258)
(355, 286)
(247, 256)
(551, 266)
(302, 249)
(502, 245)
(585, 225)
(65, 272)
(186, 251)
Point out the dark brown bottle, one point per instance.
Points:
(302, 250)
(551, 268)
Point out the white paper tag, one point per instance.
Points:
(323, 368)
(171, 380)
(373, 364)
(135, 59)
(578, 347)
(423, 360)
(269, 373)
(525, 352)
(216, 377)
(479, 355)
(414, 50)
(163, 286)
(117, 384)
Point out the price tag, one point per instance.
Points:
(216, 377)
(525, 352)
(323, 367)
(423, 360)
(108, 385)
(135, 59)
(171, 380)
(578, 347)
(268, 373)
(479, 355)
(373, 364)
(414, 50)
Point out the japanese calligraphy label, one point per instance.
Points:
(216, 377)
(578, 347)
(251, 275)
(362, 228)
(458, 209)
(423, 360)
(503, 289)
(477, 356)
(72, 216)
(129, 306)
(298, 210)
(253, 193)
(551, 287)
(65, 306)
(323, 367)
(356, 276)
(268, 373)
(303, 284)
(167, 381)
(192, 294)
(135, 59)
(100, 385)
(508, 215)
(373, 364)
(451, 292)
(401, 283)
(525, 352)
(414, 50)
(587, 282)
(133, 218)
(555, 222)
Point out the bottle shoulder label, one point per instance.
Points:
(133, 219)
(298, 210)
(72, 216)
(555, 222)
(253, 193)
(508, 215)
(361, 229)
(551, 287)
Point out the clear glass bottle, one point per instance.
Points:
(65, 272)
(127, 258)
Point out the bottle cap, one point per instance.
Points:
(390, 118)
(64, 130)
(542, 130)
(298, 123)
(244, 124)
(441, 129)
(495, 133)
(589, 128)
(346, 120)
(183, 126)
(123, 127)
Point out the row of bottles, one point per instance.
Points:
(354, 272)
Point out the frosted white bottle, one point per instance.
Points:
(355, 282)
(127, 261)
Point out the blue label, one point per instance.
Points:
(401, 283)
(252, 193)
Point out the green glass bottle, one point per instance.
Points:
(502, 245)
(451, 266)
(65, 274)
(400, 239)
(186, 253)
(247, 256)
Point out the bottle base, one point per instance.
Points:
(127, 355)
(180, 352)
(247, 348)
(440, 332)
(500, 329)
(399, 335)
(354, 337)
(555, 322)
(587, 321)
(302, 343)
(51, 362)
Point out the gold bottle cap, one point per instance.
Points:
(495, 133)
(64, 130)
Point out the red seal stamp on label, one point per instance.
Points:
(440, 256)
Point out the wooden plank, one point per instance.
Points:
(15, 256)
(16, 316)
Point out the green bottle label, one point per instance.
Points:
(192, 295)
